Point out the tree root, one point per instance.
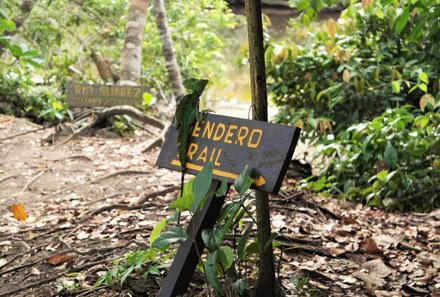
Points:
(158, 140)
(8, 177)
(54, 277)
(89, 214)
(145, 197)
(105, 113)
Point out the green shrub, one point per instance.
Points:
(374, 57)
(391, 161)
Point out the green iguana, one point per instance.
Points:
(187, 112)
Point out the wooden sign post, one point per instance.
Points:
(85, 95)
(231, 143)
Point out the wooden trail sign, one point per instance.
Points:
(231, 143)
(85, 95)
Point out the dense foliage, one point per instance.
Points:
(64, 34)
(392, 160)
(376, 56)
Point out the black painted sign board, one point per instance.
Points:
(233, 143)
(86, 95)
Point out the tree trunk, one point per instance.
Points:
(167, 48)
(132, 51)
(265, 286)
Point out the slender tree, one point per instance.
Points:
(167, 48)
(132, 51)
(266, 280)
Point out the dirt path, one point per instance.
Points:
(97, 197)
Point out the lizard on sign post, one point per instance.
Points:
(187, 112)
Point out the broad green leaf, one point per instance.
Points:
(243, 182)
(226, 256)
(7, 25)
(173, 235)
(183, 203)
(241, 248)
(33, 62)
(16, 50)
(157, 229)
(147, 97)
(212, 238)
(31, 53)
(270, 239)
(423, 87)
(402, 20)
(390, 155)
(305, 19)
(396, 86)
(223, 189)
(379, 13)
(211, 271)
(423, 77)
(382, 175)
(201, 186)
(56, 105)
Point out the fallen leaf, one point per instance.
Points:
(369, 246)
(373, 273)
(352, 247)
(335, 252)
(386, 241)
(59, 259)
(3, 262)
(19, 212)
(35, 271)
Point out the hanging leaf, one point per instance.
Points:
(223, 189)
(390, 155)
(243, 182)
(173, 235)
(423, 77)
(396, 86)
(157, 229)
(402, 20)
(147, 97)
(226, 256)
(211, 271)
(241, 251)
(19, 212)
(201, 186)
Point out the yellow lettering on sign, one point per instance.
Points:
(136, 93)
(203, 155)
(255, 133)
(219, 132)
(242, 134)
(123, 92)
(208, 129)
(192, 150)
(229, 134)
(216, 157)
(77, 89)
(196, 130)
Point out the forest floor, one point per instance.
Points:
(98, 197)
